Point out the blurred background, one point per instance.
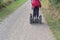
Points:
(50, 9)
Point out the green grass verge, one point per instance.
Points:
(13, 6)
(54, 24)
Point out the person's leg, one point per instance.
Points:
(37, 10)
(34, 12)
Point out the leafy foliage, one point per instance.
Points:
(55, 2)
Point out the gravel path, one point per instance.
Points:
(17, 26)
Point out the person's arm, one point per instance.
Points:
(40, 3)
(31, 3)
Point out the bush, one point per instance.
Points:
(54, 2)
(2, 5)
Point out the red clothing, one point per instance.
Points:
(36, 3)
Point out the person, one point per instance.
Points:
(36, 4)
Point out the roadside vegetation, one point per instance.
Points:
(52, 15)
(7, 6)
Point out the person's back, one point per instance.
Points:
(36, 3)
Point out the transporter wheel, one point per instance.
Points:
(30, 18)
(40, 19)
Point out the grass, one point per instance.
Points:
(54, 24)
(13, 6)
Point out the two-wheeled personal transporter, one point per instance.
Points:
(36, 20)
